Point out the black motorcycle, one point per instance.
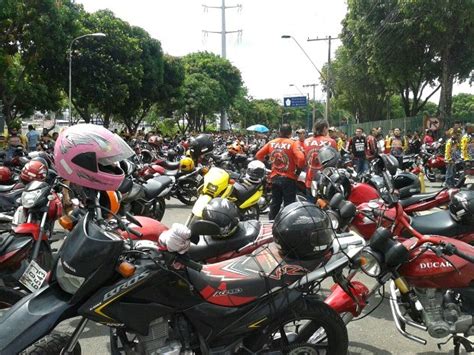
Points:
(160, 302)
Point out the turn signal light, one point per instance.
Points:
(66, 222)
(126, 269)
(204, 170)
(322, 203)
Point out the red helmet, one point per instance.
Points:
(33, 171)
(5, 175)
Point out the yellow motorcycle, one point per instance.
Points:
(217, 183)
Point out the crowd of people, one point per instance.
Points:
(290, 154)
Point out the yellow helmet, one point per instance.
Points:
(186, 165)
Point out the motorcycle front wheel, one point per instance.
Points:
(310, 328)
(187, 192)
(51, 344)
(158, 210)
(430, 175)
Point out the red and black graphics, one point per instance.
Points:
(427, 270)
(280, 160)
(242, 280)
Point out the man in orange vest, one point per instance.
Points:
(312, 146)
(286, 156)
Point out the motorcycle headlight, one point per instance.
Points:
(69, 283)
(211, 187)
(19, 216)
(370, 263)
(28, 198)
(334, 219)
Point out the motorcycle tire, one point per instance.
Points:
(187, 192)
(9, 296)
(159, 209)
(51, 344)
(430, 175)
(307, 338)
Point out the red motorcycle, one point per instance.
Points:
(25, 253)
(432, 288)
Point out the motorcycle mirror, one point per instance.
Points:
(336, 200)
(347, 210)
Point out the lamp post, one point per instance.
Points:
(297, 88)
(98, 34)
(315, 67)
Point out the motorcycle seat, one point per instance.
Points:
(171, 172)
(153, 187)
(209, 246)
(170, 165)
(243, 191)
(439, 223)
(6, 188)
(241, 280)
(418, 198)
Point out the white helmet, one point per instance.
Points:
(255, 171)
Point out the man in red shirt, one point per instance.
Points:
(286, 156)
(312, 146)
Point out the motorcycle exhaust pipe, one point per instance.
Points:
(400, 320)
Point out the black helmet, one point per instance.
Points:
(303, 231)
(332, 181)
(386, 162)
(328, 157)
(407, 184)
(462, 207)
(224, 213)
(202, 144)
(171, 155)
(147, 157)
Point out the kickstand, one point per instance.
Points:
(458, 341)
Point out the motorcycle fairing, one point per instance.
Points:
(244, 279)
(30, 229)
(32, 317)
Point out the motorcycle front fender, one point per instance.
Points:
(34, 317)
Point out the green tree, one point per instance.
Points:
(463, 107)
(200, 100)
(268, 112)
(34, 36)
(106, 71)
(219, 69)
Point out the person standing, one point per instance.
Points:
(452, 154)
(286, 156)
(428, 138)
(397, 145)
(372, 148)
(467, 143)
(312, 145)
(357, 147)
(33, 138)
(301, 137)
(14, 141)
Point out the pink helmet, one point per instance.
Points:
(85, 154)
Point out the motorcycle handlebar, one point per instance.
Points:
(450, 249)
(186, 261)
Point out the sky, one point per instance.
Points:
(269, 64)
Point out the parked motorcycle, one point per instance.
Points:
(100, 277)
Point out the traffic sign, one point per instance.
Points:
(295, 101)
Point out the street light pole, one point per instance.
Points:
(297, 88)
(314, 100)
(98, 34)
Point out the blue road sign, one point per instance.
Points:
(295, 101)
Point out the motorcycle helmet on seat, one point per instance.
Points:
(303, 231)
(224, 213)
(255, 171)
(88, 155)
(186, 165)
(407, 184)
(202, 144)
(461, 207)
(34, 171)
(329, 157)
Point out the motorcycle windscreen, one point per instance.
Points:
(199, 205)
(88, 247)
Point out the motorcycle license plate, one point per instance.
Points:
(33, 277)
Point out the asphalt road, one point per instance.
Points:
(375, 334)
